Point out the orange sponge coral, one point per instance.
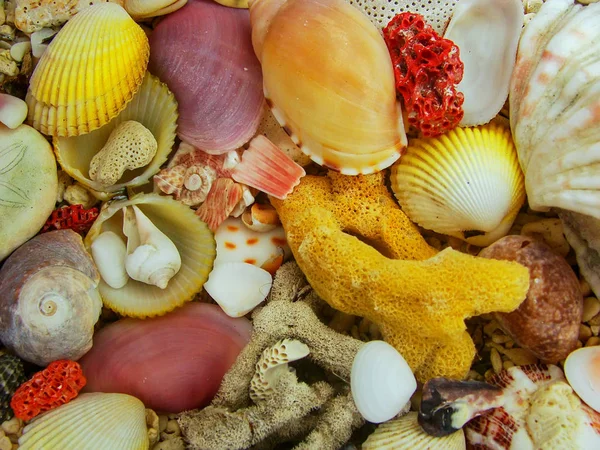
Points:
(363, 256)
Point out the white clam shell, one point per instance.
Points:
(238, 287)
(487, 33)
(381, 381)
(582, 369)
(93, 421)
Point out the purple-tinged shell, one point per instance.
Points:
(204, 53)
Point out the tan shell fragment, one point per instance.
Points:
(143, 9)
(272, 363)
(130, 146)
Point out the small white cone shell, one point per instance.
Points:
(381, 381)
(238, 287)
(582, 369)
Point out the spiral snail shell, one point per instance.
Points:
(49, 300)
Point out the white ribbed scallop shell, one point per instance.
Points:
(94, 421)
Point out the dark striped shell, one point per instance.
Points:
(12, 375)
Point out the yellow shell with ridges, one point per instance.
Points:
(89, 72)
(93, 421)
(329, 80)
(466, 183)
(195, 244)
(406, 433)
(155, 107)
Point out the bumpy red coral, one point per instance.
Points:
(56, 385)
(427, 68)
(72, 217)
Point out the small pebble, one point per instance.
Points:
(496, 360)
(162, 423)
(500, 338)
(172, 444)
(585, 333)
(12, 426)
(585, 288)
(173, 428)
(595, 330)
(593, 341)
(591, 307)
(5, 443)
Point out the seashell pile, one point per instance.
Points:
(319, 224)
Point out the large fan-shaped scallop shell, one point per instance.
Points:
(406, 433)
(555, 107)
(89, 72)
(466, 183)
(94, 421)
(329, 79)
(191, 236)
(155, 107)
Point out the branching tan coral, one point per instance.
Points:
(293, 409)
(362, 255)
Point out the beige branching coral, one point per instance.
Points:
(322, 414)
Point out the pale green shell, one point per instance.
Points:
(94, 421)
(28, 185)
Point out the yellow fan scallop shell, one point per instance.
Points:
(155, 107)
(466, 183)
(89, 72)
(191, 236)
(406, 433)
(329, 80)
(93, 421)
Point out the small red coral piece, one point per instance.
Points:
(72, 217)
(56, 385)
(427, 69)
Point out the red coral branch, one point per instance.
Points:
(427, 69)
(72, 217)
(56, 385)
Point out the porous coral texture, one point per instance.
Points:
(427, 69)
(364, 257)
(320, 414)
(57, 384)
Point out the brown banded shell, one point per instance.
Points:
(329, 81)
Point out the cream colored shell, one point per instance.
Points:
(28, 185)
(194, 242)
(329, 81)
(89, 72)
(555, 107)
(406, 433)
(92, 421)
(143, 9)
(273, 361)
(154, 107)
(466, 183)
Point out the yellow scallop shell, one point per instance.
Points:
(155, 107)
(195, 244)
(89, 72)
(466, 183)
(405, 433)
(93, 421)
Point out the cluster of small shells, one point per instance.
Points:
(10, 431)
(163, 431)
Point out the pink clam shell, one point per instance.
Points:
(204, 53)
(171, 363)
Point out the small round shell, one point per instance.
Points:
(93, 421)
(154, 107)
(582, 369)
(49, 302)
(466, 183)
(192, 238)
(406, 433)
(381, 381)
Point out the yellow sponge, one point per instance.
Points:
(363, 256)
